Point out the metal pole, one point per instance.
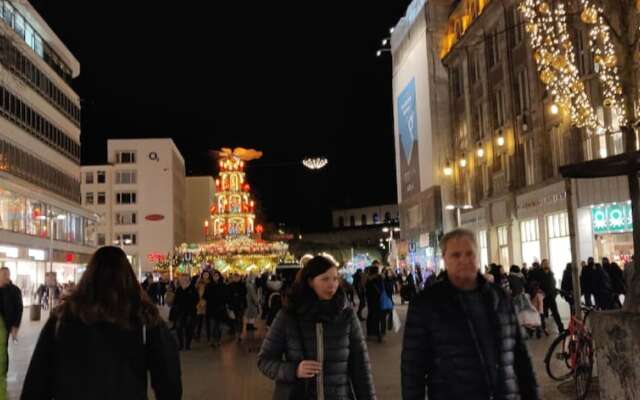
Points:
(49, 288)
(458, 217)
(575, 273)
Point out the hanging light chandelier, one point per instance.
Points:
(315, 163)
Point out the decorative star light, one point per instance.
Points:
(315, 163)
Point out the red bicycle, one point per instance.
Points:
(571, 354)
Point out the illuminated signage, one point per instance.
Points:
(611, 218)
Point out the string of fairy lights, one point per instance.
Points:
(556, 64)
(604, 55)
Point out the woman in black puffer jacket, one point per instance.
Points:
(336, 367)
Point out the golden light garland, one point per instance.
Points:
(555, 60)
(604, 55)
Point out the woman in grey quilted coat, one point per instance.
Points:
(315, 348)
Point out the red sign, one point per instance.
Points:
(156, 257)
(68, 257)
(154, 217)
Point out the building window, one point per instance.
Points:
(126, 157)
(88, 198)
(474, 67)
(583, 54)
(514, 25)
(101, 239)
(125, 198)
(478, 121)
(352, 220)
(521, 90)
(530, 238)
(498, 108)
(559, 242)
(101, 198)
(456, 82)
(125, 177)
(529, 161)
(88, 177)
(503, 245)
(24, 117)
(376, 218)
(484, 250)
(363, 220)
(493, 48)
(126, 239)
(125, 218)
(340, 222)
(101, 176)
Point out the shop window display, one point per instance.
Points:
(12, 209)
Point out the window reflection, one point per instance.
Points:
(34, 217)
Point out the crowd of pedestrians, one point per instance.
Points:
(464, 325)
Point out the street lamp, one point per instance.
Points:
(51, 217)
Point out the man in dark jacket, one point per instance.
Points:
(359, 284)
(617, 280)
(10, 308)
(587, 281)
(375, 321)
(462, 339)
(548, 286)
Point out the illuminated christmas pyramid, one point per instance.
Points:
(232, 209)
(233, 239)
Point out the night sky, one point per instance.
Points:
(291, 79)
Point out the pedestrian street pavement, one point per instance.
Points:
(230, 372)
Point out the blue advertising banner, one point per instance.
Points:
(408, 135)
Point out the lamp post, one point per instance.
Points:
(50, 217)
(457, 208)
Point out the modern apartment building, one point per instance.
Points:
(42, 224)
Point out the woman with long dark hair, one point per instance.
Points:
(315, 348)
(101, 341)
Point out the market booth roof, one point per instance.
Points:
(622, 164)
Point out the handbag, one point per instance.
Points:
(396, 321)
(385, 301)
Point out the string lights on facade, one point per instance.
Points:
(555, 59)
(604, 54)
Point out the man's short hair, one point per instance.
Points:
(456, 234)
(5, 269)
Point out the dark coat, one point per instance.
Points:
(217, 297)
(442, 356)
(616, 276)
(184, 301)
(373, 292)
(11, 306)
(587, 279)
(102, 362)
(516, 283)
(346, 361)
(548, 284)
(238, 295)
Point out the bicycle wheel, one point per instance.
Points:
(557, 358)
(584, 367)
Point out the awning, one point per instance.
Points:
(622, 164)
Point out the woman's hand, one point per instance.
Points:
(308, 369)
